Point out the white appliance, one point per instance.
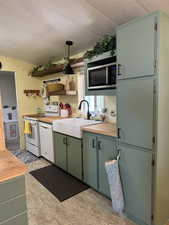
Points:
(46, 141)
(102, 76)
(52, 110)
(11, 130)
(33, 140)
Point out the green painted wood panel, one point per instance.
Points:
(60, 151)
(107, 151)
(18, 220)
(74, 157)
(136, 48)
(90, 160)
(135, 109)
(136, 174)
(12, 208)
(12, 188)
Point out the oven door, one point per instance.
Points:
(33, 138)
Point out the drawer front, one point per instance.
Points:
(12, 188)
(18, 220)
(12, 208)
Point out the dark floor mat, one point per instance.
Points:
(59, 183)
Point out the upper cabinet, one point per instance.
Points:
(136, 48)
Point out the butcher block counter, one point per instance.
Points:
(45, 119)
(108, 129)
(10, 166)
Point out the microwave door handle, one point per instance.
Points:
(107, 74)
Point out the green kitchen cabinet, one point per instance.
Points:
(68, 154)
(60, 150)
(142, 117)
(106, 151)
(13, 209)
(136, 47)
(135, 111)
(136, 175)
(74, 157)
(97, 150)
(90, 160)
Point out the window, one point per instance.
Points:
(96, 103)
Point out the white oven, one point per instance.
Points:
(33, 140)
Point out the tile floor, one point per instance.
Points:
(86, 208)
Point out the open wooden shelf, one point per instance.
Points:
(58, 68)
(63, 92)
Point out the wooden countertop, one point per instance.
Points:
(50, 119)
(46, 119)
(108, 129)
(10, 166)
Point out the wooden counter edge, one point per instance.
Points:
(19, 170)
(90, 128)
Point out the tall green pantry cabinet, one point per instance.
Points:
(142, 117)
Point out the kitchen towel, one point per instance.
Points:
(112, 169)
(27, 127)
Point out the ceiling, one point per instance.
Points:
(35, 31)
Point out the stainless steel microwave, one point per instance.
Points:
(102, 77)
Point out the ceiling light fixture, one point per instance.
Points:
(68, 69)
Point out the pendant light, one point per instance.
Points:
(68, 69)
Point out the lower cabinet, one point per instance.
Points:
(74, 157)
(136, 175)
(13, 210)
(68, 154)
(97, 150)
(60, 150)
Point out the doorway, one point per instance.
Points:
(10, 108)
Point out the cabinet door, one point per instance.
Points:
(90, 160)
(135, 107)
(46, 142)
(60, 151)
(106, 147)
(74, 157)
(136, 48)
(136, 175)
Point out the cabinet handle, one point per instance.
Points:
(64, 140)
(118, 69)
(93, 143)
(118, 133)
(44, 127)
(99, 145)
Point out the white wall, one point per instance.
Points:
(7, 88)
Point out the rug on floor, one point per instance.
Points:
(24, 156)
(62, 185)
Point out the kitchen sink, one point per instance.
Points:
(72, 126)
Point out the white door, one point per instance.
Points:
(46, 141)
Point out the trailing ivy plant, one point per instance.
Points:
(41, 67)
(107, 43)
